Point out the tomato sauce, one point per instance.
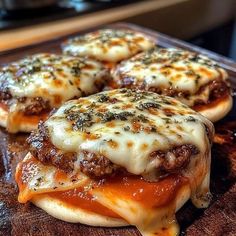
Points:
(80, 198)
(30, 119)
(211, 104)
(149, 194)
(3, 106)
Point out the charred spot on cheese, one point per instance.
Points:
(108, 45)
(102, 143)
(191, 78)
(41, 82)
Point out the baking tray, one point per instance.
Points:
(218, 219)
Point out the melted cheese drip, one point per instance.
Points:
(34, 178)
(179, 70)
(126, 127)
(108, 45)
(149, 221)
(54, 78)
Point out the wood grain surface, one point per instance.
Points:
(219, 219)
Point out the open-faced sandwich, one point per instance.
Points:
(32, 87)
(191, 78)
(116, 158)
(108, 45)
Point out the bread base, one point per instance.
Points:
(216, 112)
(62, 211)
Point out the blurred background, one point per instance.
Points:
(210, 24)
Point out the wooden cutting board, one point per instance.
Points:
(219, 219)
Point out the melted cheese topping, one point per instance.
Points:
(162, 69)
(54, 78)
(108, 45)
(126, 126)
